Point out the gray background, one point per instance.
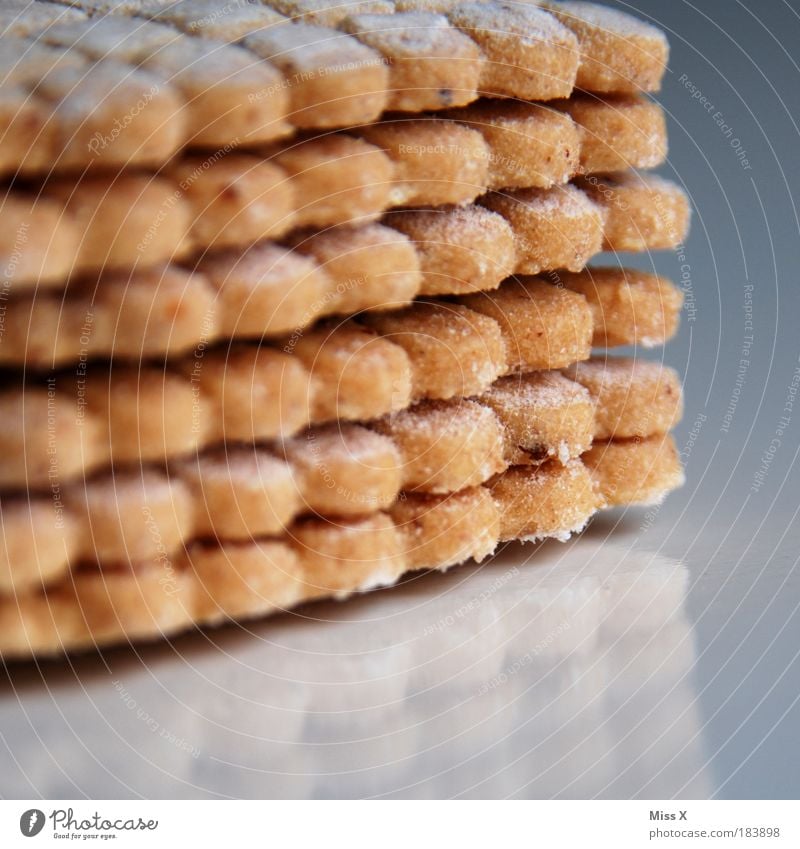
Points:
(656, 656)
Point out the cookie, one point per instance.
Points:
(20, 18)
(644, 212)
(269, 290)
(441, 532)
(350, 371)
(37, 242)
(371, 267)
(331, 78)
(215, 583)
(530, 144)
(223, 21)
(529, 54)
(134, 119)
(541, 324)
(628, 306)
(453, 351)
(618, 132)
(563, 227)
(232, 199)
(336, 179)
(26, 62)
(228, 97)
(461, 250)
(436, 162)
(560, 227)
(240, 492)
(635, 471)
(265, 291)
(328, 13)
(554, 503)
(242, 74)
(635, 398)
(619, 52)
(431, 64)
(28, 139)
(545, 416)
(344, 372)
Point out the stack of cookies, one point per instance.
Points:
(296, 298)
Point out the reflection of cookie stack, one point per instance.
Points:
(290, 360)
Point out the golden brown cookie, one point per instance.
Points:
(38, 242)
(28, 139)
(344, 470)
(544, 416)
(213, 583)
(635, 471)
(563, 227)
(26, 62)
(332, 79)
(120, 38)
(210, 584)
(330, 13)
(20, 18)
(232, 99)
(245, 393)
(235, 200)
(446, 446)
(618, 132)
(628, 306)
(356, 374)
(208, 203)
(217, 19)
(441, 532)
(130, 220)
(371, 267)
(134, 119)
(553, 228)
(541, 324)
(269, 290)
(337, 179)
(453, 351)
(104, 114)
(547, 501)
(304, 64)
(133, 221)
(461, 249)
(436, 162)
(228, 97)
(619, 53)
(529, 54)
(432, 350)
(634, 398)
(644, 212)
(432, 65)
(530, 144)
(236, 494)
(241, 492)
(265, 290)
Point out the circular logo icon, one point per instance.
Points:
(31, 822)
